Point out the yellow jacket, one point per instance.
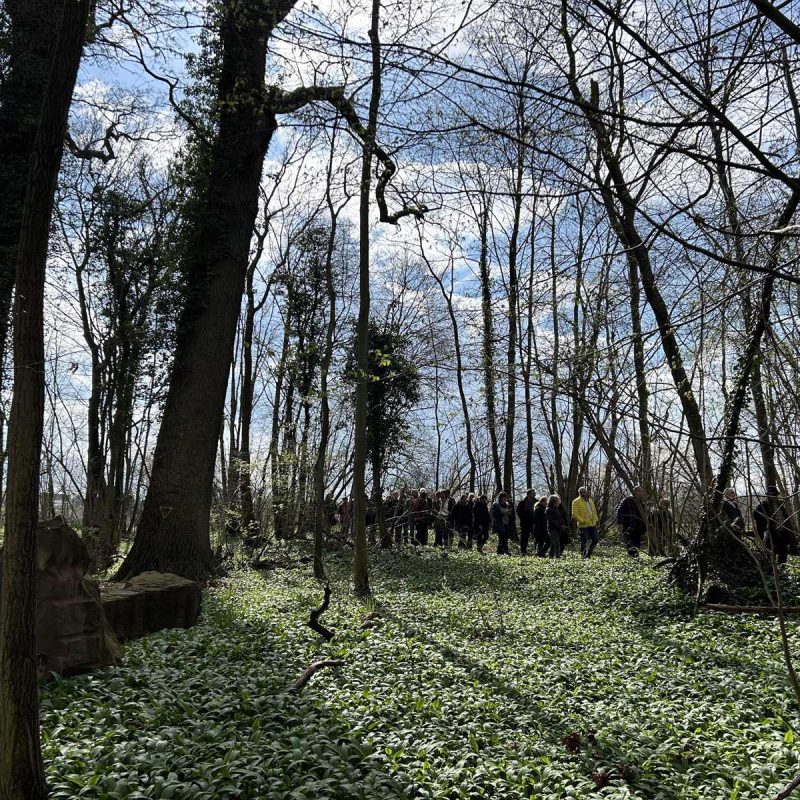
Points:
(584, 517)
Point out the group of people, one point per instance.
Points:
(469, 519)
(772, 519)
(543, 527)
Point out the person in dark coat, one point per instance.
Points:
(481, 521)
(771, 518)
(525, 509)
(462, 522)
(502, 521)
(731, 512)
(472, 499)
(631, 521)
(540, 527)
(421, 513)
(555, 525)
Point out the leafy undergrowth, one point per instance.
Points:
(479, 677)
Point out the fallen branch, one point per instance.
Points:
(788, 789)
(311, 670)
(313, 620)
(749, 609)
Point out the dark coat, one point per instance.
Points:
(770, 515)
(481, 516)
(462, 515)
(555, 520)
(733, 514)
(502, 523)
(540, 522)
(525, 509)
(630, 516)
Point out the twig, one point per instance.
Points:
(311, 670)
(789, 788)
(313, 619)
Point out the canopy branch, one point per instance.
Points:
(281, 102)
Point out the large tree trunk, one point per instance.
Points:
(21, 770)
(173, 533)
(34, 27)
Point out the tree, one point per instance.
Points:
(21, 771)
(173, 533)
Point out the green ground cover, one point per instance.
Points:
(482, 677)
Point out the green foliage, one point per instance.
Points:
(480, 677)
(393, 389)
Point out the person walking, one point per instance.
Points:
(421, 510)
(502, 520)
(631, 521)
(772, 523)
(481, 520)
(472, 499)
(540, 527)
(584, 513)
(462, 522)
(443, 508)
(555, 525)
(525, 509)
(731, 512)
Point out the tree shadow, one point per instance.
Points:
(207, 713)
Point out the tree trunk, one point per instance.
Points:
(487, 354)
(448, 299)
(33, 30)
(173, 533)
(513, 303)
(321, 524)
(623, 222)
(21, 769)
(360, 551)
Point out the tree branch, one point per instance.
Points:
(311, 670)
(281, 102)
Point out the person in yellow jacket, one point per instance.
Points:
(585, 515)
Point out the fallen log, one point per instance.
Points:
(788, 789)
(749, 609)
(310, 671)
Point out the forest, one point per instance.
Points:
(399, 399)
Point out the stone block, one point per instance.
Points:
(151, 602)
(72, 635)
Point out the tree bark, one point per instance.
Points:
(360, 552)
(33, 31)
(487, 348)
(513, 310)
(21, 769)
(321, 522)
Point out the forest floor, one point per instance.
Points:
(481, 676)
